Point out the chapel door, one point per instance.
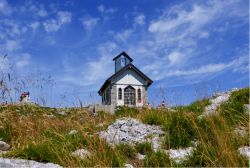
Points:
(129, 96)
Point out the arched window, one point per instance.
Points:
(129, 95)
(139, 95)
(120, 93)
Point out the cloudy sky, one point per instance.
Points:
(188, 48)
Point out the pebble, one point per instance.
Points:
(128, 165)
(245, 151)
(81, 153)
(140, 156)
(179, 155)
(73, 132)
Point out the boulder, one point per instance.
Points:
(4, 146)
(131, 131)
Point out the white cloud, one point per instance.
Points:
(52, 25)
(12, 45)
(194, 19)
(123, 35)
(35, 7)
(234, 65)
(173, 45)
(42, 12)
(175, 57)
(93, 71)
(5, 8)
(23, 60)
(204, 35)
(139, 19)
(35, 25)
(11, 28)
(101, 8)
(89, 23)
(100, 69)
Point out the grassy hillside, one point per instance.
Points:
(42, 134)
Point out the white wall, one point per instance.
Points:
(129, 78)
(133, 79)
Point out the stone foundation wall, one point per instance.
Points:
(99, 107)
(145, 95)
(114, 95)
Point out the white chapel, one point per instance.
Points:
(127, 86)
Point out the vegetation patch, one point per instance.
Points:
(123, 111)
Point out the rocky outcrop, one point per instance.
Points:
(129, 130)
(13, 163)
(216, 101)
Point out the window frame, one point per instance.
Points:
(119, 93)
(139, 97)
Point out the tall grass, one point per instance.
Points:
(35, 136)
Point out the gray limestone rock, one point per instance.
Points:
(130, 131)
(13, 163)
(179, 155)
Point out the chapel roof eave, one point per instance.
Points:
(129, 66)
(124, 54)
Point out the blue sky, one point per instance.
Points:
(188, 48)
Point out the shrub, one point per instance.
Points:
(180, 130)
(233, 110)
(5, 130)
(196, 107)
(144, 148)
(126, 150)
(157, 159)
(154, 117)
(126, 111)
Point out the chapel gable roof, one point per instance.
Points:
(125, 68)
(124, 54)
